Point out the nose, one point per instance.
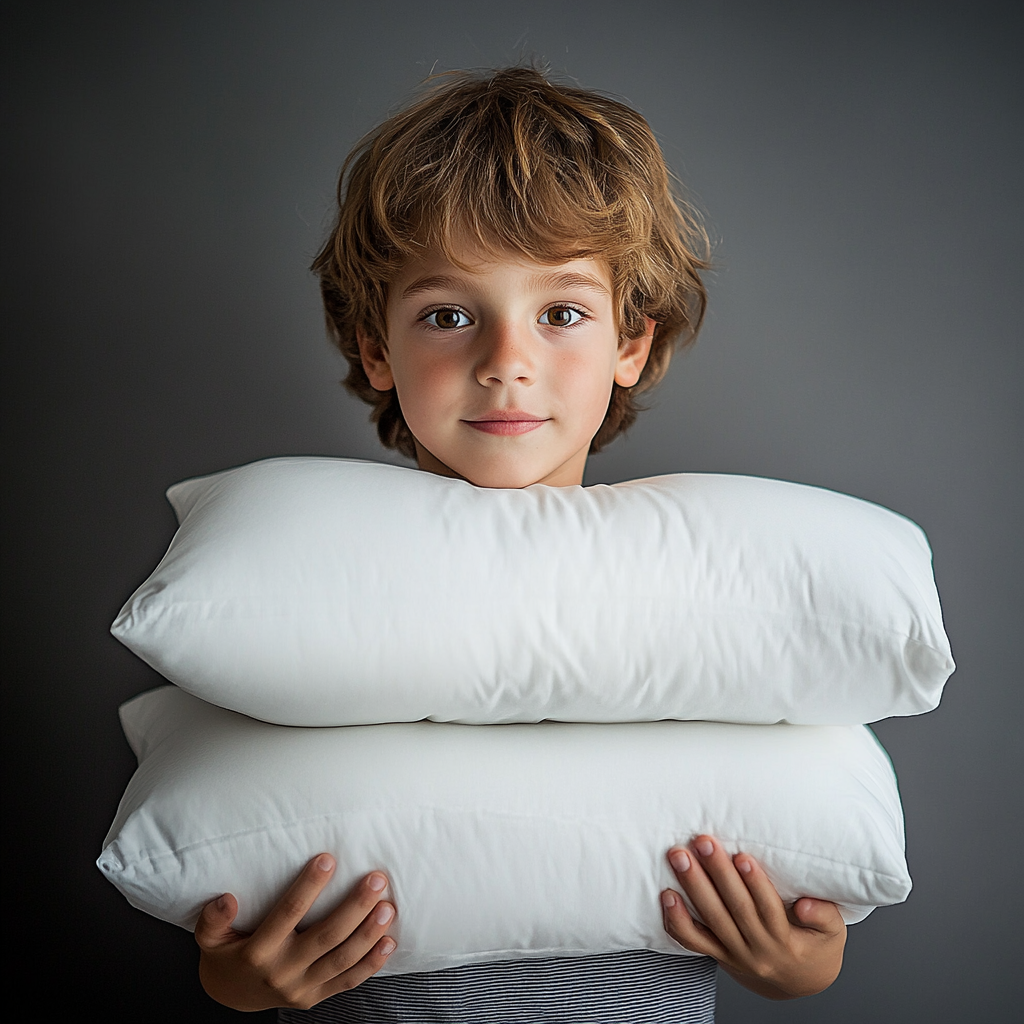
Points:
(506, 356)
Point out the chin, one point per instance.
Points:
(500, 471)
(500, 480)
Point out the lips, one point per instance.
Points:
(506, 422)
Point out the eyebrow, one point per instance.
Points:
(565, 279)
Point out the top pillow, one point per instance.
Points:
(326, 592)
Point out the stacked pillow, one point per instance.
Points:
(383, 602)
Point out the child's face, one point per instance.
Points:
(504, 373)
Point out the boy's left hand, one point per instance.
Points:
(773, 951)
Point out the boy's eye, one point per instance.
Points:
(561, 316)
(447, 319)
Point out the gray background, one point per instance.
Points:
(169, 168)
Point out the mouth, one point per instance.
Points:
(506, 422)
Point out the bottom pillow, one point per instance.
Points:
(500, 841)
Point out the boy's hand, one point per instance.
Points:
(777, 953)
(278, 966)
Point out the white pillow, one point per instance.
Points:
(500, 841)
(313, 591)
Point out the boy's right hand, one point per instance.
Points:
(278, 966)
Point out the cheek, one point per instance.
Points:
(425, 388)
(588, 387)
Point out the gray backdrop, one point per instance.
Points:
(169, 170)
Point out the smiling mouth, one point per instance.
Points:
(507, 423)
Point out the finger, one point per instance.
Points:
(344, 920)
(690, 934)
(348, 954)
(213, 928)
(818, 915)
(370, 964)
(771, 910)
(295, 903)
(690, 868)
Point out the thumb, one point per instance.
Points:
(213, 928)
(820, 915)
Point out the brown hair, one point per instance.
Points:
(518, 164)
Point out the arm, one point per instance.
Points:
(279, 966)
(776, 953)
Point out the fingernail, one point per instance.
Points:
(222, 903)
(384, 913)
(387, 947)
(325, 862)
(377, 882)
(704, 847)
(679, 859)
(745, 866)
(668, 899)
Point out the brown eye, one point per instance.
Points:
(447, 319)
(561, 316)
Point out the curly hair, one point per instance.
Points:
(515, 163)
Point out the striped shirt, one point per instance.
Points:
(632, 987)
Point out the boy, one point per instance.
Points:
(508, 271)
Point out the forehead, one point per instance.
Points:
(475, 270)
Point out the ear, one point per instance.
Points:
(375, 361)
(632, 357)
